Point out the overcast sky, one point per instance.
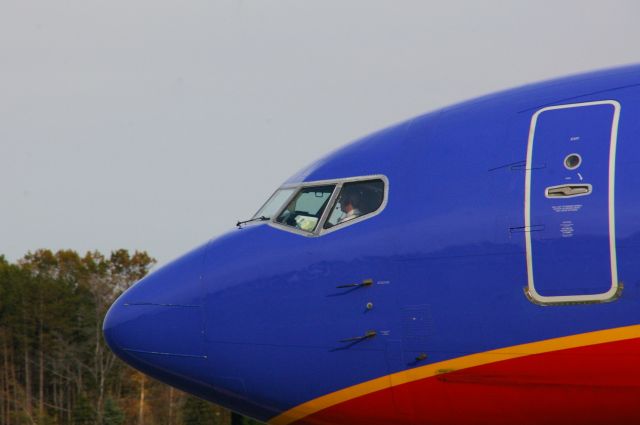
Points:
(156, 125)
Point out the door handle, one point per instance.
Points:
(568, 190)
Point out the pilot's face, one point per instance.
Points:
(345, 206)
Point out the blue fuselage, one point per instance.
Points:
(254, 319)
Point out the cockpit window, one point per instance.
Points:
(306, 208)
(273, 205)
(356, 199)
(316, 208)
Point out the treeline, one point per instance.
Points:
(56, 369)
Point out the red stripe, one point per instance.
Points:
(597, 384)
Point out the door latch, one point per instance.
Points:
(568, 190)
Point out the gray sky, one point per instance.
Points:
(155, 125)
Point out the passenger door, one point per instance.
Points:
(569, 203)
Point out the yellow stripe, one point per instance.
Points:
(399, 378)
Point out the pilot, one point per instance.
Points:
(350, 203)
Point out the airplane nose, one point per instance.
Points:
(158, 321)
(132, 326)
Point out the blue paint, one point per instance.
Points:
(258, 307)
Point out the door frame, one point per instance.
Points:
(615, 288)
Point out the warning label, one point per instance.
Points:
(566, 228)
(566, 208)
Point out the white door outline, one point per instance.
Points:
(615, 286)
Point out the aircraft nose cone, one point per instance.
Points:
(142, 327)
(158, 320)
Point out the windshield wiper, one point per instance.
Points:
(261, 218)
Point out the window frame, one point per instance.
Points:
(320, 230)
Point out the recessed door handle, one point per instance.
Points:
(568, 190)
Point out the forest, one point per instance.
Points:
(55, 367)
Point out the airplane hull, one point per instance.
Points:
(497, 282)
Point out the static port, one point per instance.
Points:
(572, 161)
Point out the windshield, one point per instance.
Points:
(306, 208)
(273, 205)
(321, 206)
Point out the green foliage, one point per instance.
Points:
(58, 368)
(199, 412)
(83, 413)
(47, 419)
(113, 414)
